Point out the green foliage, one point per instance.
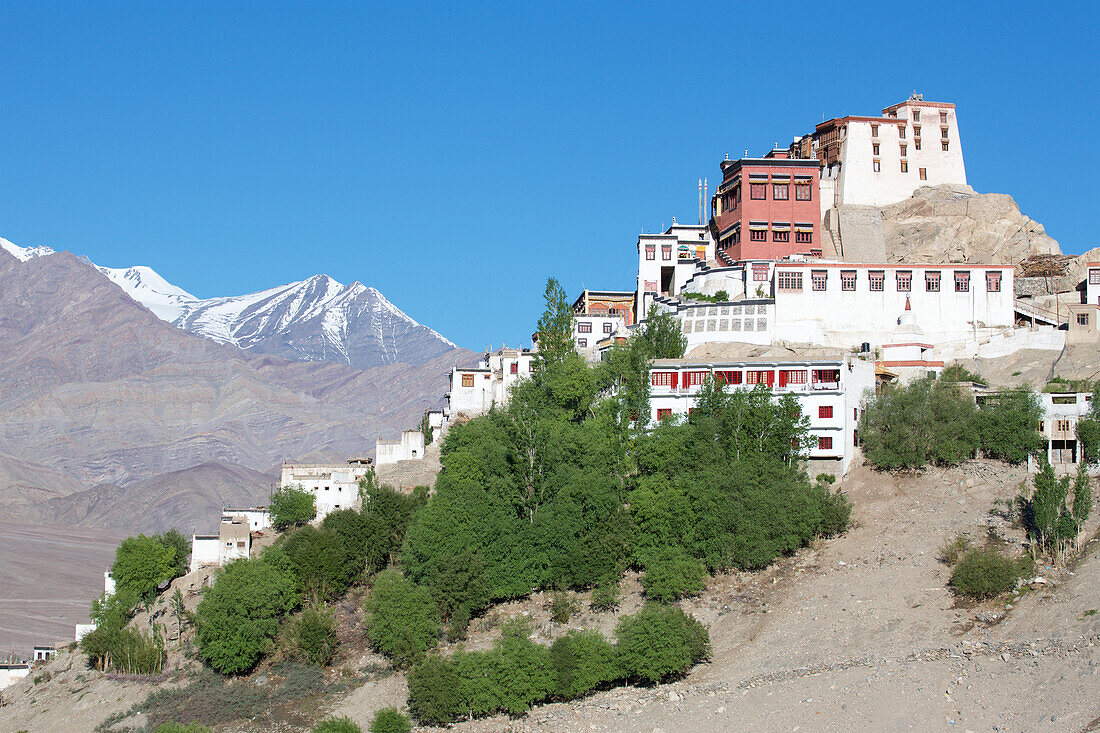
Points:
(671, 574)
(141, 564)
(521, 670)
(390, 720)
(435, 696)
(926, 421)
(958, 373)
(662, 335)
(1082, 498)
(1088, 430)
(1008, 425)
(342, 724)
(582, 661)
(124, 649)
(386, 516)
(180, 548)
(292, 506)
(660, 642)
(403, 621)
(984, 573)
(562, 606)
(605, 596)
(239, 616)
(181, 728)
(1061, 384)
(954, 549)
(555, 328)
(312, 636)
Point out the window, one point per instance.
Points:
(874, 149)
(608, 328)
(943, 133)
(944, 146)
(818, 279)
(901, 134)
(916, 115)
(467, 380)
(825, 412)
(780, 191)
(1082, 319)
(759, 271)
(663, 413)
(728, 377)
(943, 118)
(916, 131)
(923, 173)
(916, 143)
(515, 367)
(792, 376)
(790, 282)
(758, 235)
(758, 378)
(663, 379)
(758, 191)
(905, 281)
(583, 343)
(932, 282)
(666, 251)
(802, 192)
(876, 166)
(1094, 277)
(650, 252)
(905, 166)
(694, 379)
(804, 237)
(962, 282)
(1063, 426)
(876, 279)
(847, 279)
(584, 326)
(993, 282)
(824, 443)
(826, 376)
(903, 149)
(781, 236)
(874, 130)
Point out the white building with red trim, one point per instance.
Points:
(829, 388)
(475, 389)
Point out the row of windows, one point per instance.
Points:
(586, 327)
(876, 166)
(876, 281)
(828, 377)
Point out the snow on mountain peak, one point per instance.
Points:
(24, 253)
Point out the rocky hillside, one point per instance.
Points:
(110, 417)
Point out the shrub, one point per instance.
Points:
(985, 573)
(292, 506)
(141, 564)
(434, 694)
(238, 617)
(318, 561)
(173, 727)
(390, 720)
(313, 636)
(1008, 424)
(582, 661)
(671, 574)
(124, 650)
(404, 621)
(660, 642)
(954, 549)
(605, 596)
(338, 725)
(562, 606)
(522, 673)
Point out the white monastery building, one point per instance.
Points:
(334, 486)
(666, 261)
(475, 389)
(409, 447)
(829, 389)
(233, 541)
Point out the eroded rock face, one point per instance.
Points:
(957, 224)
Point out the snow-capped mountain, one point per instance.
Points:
(317, 319)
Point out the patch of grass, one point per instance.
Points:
(986, 573)
(954, 549)
(1090, 612)
(562, 606)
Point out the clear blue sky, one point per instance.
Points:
(454, 156)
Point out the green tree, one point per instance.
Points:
(141, 564)
(555, 327)
(1082, 498)
(291, 506)
(238, 617)
(671, 574)
(663, 336)
(178, 611)
(522, 674)
(660, 642)
(180, 548)
(403, 621)
(390, 720)
(435, 691)
(1009, 422)
(581, 662)
(314, 636)
(1088, 430)
(318, 560)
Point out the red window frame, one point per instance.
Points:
(905, 281)
(818, 279)
(824, 443)
(759, 272)
(664, 379)
(515, 367)
(791, 376)
(993, 282)
(780, 192)
(876, 281)
(788, 282)
(758, 191)
(804, 237)
(728, 377)
(962, 281)
(825, 412)
(760, 377)
(651, 251)
(803, 192)
(664, 412)
(758, 235)
(467, 380)
(584, 326)
(848, 280)
(932, 282)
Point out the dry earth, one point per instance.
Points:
(856, 633)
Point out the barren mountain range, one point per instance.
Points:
(110, 417)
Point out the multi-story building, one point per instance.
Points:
(666, 261)
(598, 315)
(475, 389)
(334, 486)
(829, 388)
(767, 208)
(881, 160)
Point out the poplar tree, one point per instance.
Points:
(555, 326)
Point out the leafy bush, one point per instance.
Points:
(292, 506)
(522, 671)
(338, 725)
(317, 560)
(403, 621)
(313, 636)
(562, 606)
(390, 720)
(239, 616)
(582, 661)
(605, 596)
(954, 549)
(181, 728)
(660, 642)
(124, 650)
(984, 573)
(435, 697)
(1008, 423)
(141, 564)
(671, 574)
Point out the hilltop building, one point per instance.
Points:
(474, 390)
(599, 315)
(233, 541)
(666, 261)
(409, 447)
(334, 486)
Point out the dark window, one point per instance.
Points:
(905, 166)
(608, 328)
(582, 343)
(944, 145)
(874, 130)
(803, 237)
(993, 282)
(789, 281)
(650, 252)
(584, 327)
(847, 279)
(905, 281)
(758, 190)
(916, 143)
(825, 411)
(781, 236)
(780, 191)
(818, 279)
(874, 149)
(515, 367)
(876, 279)
(932, 282)
(943, 133)
(901, 134)
(916, 130)
(758, 235)
(923, 173)
(802, 192)
(824, 443)
(943, 117)
(1082, 319)
(916, 116)
(962, 282)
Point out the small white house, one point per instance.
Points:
(233, 541)
(43, 653)
(12, 672)
(334, 486)
(258, 518)
(409, 447)
(475, 389)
